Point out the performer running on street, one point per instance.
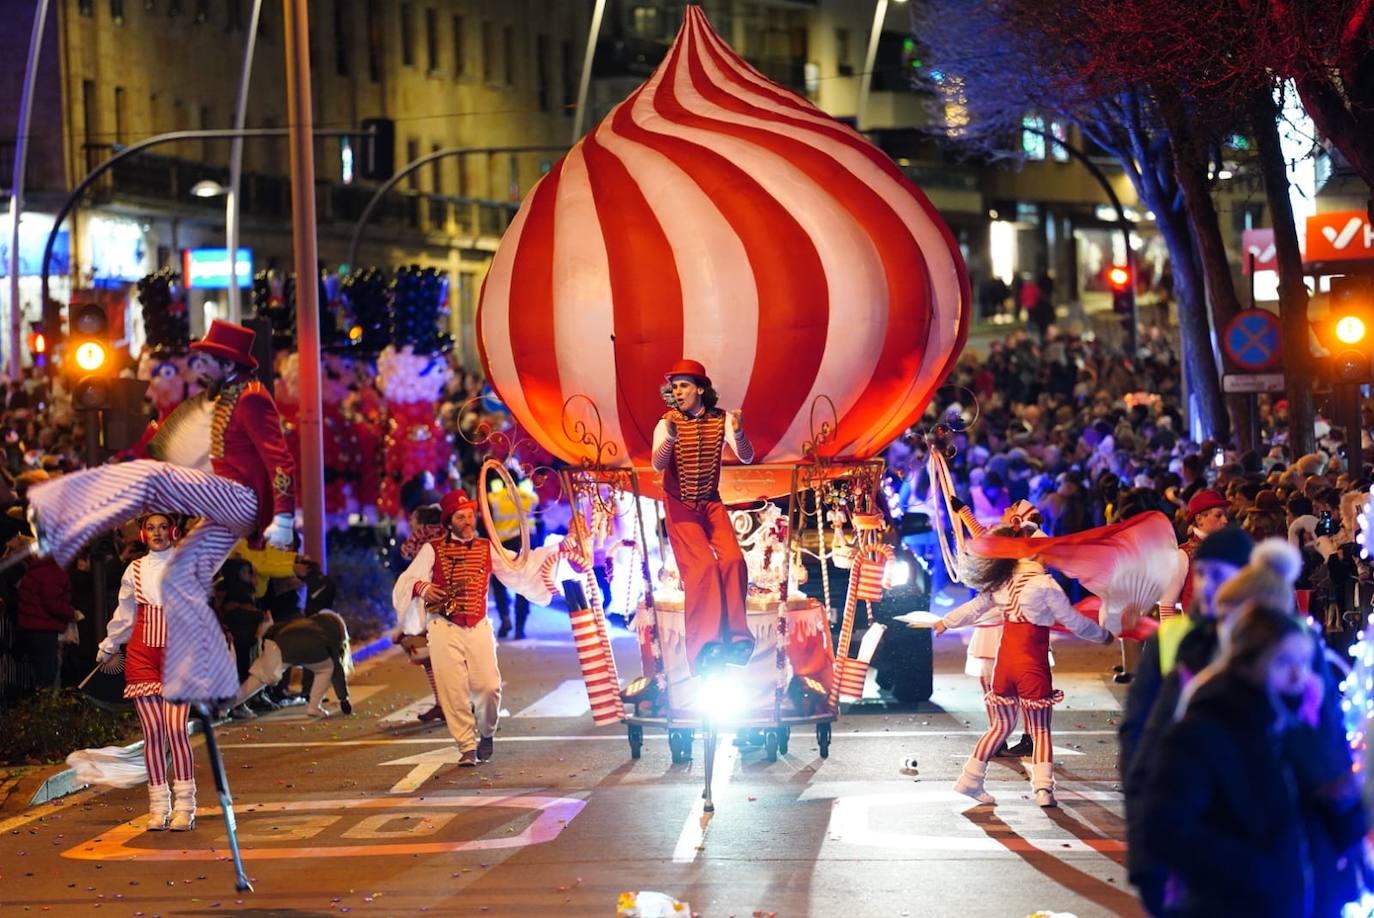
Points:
(1031, 602)
(452, 574)
(689, 444)
(140, 625)
(246, 489)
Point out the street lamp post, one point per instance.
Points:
(302, 151)
(231, 200)
(21, 152)
(593, 33)
(870, 59)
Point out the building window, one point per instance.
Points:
(844, 61)
(346, 161)
(645, 22)
(1033, 137)
(202, 11)
(149, 6)
(432, 39)
(173, 8)
(541, 67)
(460, 38)
(233, 10)
(570, 81)
(1058, 150)
(343, 39)
(464, 178)
(488, 52)
(85, 7)
(207, 147)
(117, 11)
(88, 114)
(508, 49)
(407, 35)
(120, 114)
(375, 48)
(436, 172)
(412, 154)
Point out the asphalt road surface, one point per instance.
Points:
(370, 814)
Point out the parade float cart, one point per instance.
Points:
(717, 216)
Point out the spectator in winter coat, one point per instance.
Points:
(1220, 809)
(45, 609)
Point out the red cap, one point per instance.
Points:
(1203, 501)
(692, 368)
(454, 501)
(230, 341)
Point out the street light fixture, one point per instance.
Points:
(208, 188)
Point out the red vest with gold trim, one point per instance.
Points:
(463, 572)
(694, 473)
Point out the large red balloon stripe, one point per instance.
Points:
(715, 215)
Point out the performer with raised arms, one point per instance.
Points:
(689, 444)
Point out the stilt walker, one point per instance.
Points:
(1030, 602)
(689, 444)
(240, 485)
(140, 626)
(452, 575)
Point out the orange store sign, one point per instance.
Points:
(1343, 235)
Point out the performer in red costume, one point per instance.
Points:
(689, 444)
(451, 574)
(140, 625)
(1031, 603)
(247, 489)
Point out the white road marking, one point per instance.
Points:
(614, 738)
(426, 764)
(408, 713)
(693, 833)
(568, 700)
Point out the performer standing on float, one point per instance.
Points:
(689, 443)
(452, 574)
(140, 625)
(250, 488)
(1031, 603)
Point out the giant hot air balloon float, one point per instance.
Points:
(717, 216)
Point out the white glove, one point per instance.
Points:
(281, 533)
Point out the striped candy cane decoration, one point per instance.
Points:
(603, 690)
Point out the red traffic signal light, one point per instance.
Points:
(1118, 278)
(38, 343)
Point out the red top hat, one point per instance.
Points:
(692, 368)
(1203, 501)
(454, 501)
(230, 341)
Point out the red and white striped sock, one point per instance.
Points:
(150, 715)
(1038, 723)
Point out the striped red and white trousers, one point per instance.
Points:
(164, 730)
(76, 508)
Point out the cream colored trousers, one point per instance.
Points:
(466, 675)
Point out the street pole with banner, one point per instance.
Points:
(295, 16)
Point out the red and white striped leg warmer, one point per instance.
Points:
(1038, 723)
(429, 674)
(149, 709)
(174, 719)
(1002, 720)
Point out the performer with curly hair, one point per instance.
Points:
(1031, 603)
(689, 444)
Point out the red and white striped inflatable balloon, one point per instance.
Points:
(715, 215)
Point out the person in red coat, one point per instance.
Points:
(44, 611)
(242, 487)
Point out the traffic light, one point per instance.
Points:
(1348, 330)
(38, 345)
(379, 149)
(88, 344)
(1120, 281)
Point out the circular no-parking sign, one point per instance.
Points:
(1251, 340)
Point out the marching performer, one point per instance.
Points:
(246, 488)
(987, 628)
(689, 443)
(451, 575)
(140, 625)
(1031, 602)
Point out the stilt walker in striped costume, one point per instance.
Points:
(689, 444)
(1031, 602)
(452, 575)
(247, 488)
(141, 627)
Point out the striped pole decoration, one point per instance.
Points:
(716, 215)
(603, 691)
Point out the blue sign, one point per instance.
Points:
(208, 269)
(1251, 340)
